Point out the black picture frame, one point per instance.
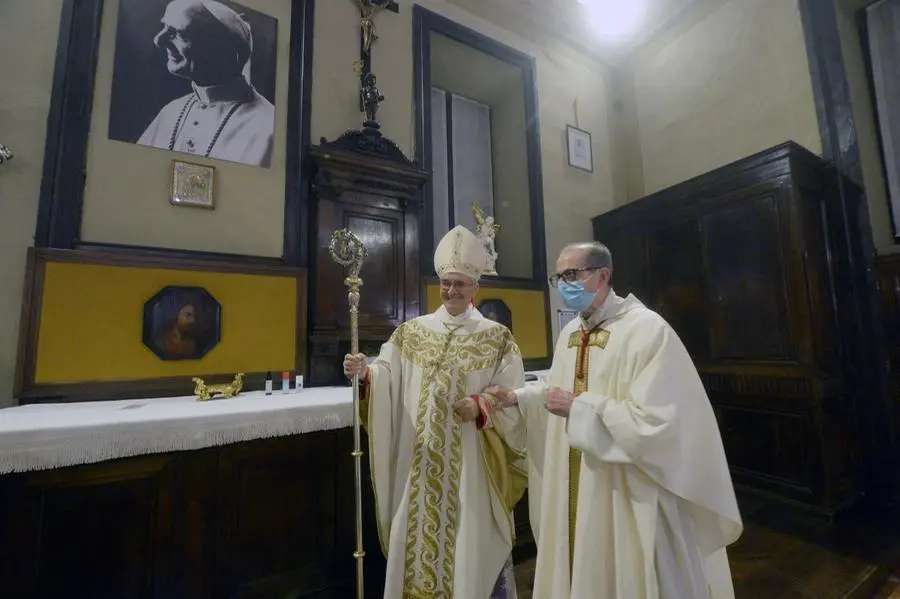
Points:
(496, 310)
(574, 135)
(68, 128)
(182, 323)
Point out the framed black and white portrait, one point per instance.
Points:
(197, 77)
(579, 149)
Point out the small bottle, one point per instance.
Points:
(298, 385)
(269, 383)
(285, 382)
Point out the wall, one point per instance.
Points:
(565, 79)
(128, 186)
(28, 32)
(498, 84)
(724, 86)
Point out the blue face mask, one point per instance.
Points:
(574, 295)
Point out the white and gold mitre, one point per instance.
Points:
(460, 252)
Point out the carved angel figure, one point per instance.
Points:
(5, 154)
(486, 230)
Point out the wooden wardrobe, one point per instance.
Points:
(744, 263)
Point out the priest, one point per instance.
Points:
(637, 501)
(448, 465)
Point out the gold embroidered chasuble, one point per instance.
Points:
(444, 489)
(636, 498)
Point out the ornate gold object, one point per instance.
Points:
(206, 392)
(192, 185)
(348, 251)
(368, 10)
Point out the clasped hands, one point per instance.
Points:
(466, 407)
(559, 401)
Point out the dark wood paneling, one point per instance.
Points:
(278, 536)
(69, 527)
(265, 519)
(26, 390)
(746, 277)
(741, 262)
(888, 272)
(375, 192)
(675, 271)
(862, 323)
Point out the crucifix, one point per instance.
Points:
(369, 95)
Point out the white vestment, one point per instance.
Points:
(655, 505)
(444, 489)
(228, 122)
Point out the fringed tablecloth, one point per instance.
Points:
(45, 436)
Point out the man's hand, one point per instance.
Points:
(467, 409)
(355, 365)
(506, 397)
(559, 401)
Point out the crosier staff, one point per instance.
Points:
(348, 251)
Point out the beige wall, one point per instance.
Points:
(729, 85)
(564, 79)
(498, 84)
(28, 31)
(130, 185)
(126, 198)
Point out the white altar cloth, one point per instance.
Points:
(46, 436)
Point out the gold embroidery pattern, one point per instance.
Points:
(583, 341)
(596, 338)
(437, 455)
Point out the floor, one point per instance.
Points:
(790, 556)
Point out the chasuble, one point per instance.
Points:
(444, 489)
(636, 501)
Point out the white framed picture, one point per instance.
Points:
(578, 142)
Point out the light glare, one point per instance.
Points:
(614, 19)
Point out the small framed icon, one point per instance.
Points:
(192, 185)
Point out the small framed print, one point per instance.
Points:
(192, 185)
(579, 146)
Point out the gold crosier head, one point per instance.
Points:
(348, 250)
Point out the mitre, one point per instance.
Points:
(460, 252)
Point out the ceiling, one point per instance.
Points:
(567, 20)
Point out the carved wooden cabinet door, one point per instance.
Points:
(376, 194)
(740, 263)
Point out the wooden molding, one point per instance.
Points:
(26, 390)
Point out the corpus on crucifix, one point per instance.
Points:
(368, 9)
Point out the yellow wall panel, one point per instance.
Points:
(529, 314)
(91, 323)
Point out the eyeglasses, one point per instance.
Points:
(570, 275)
(455, 284)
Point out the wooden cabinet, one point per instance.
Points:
(888, 275)
(375, 192)
(267, 519)
(743, 264)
